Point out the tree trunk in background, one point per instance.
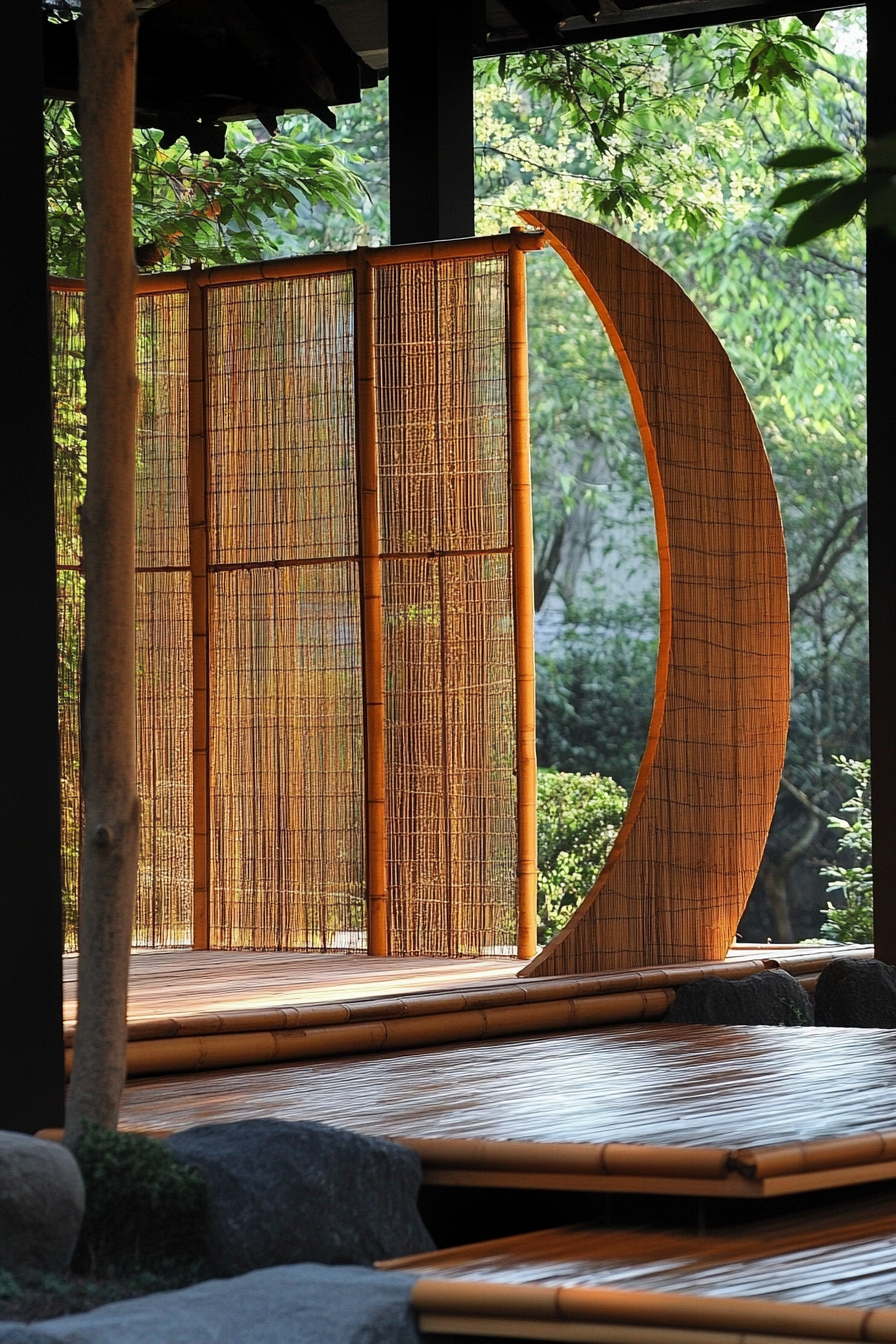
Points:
(107, 34)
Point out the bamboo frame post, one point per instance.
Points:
(371, 617)
(523, 604)
(198, 510)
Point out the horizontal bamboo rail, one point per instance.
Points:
(803, 965)
(329, 263)
(183, 1054)
(679, 1311)
(786, 1159)
(585, 1159)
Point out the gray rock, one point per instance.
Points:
(286, 1191)
(769, 999)
(853, 993)
(41, 1203)
(292, 1304)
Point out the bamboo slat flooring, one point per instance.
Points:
(185, 1041)
(838, 1257)
(182, 982)
(553, 1110)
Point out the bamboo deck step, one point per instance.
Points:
(257, 1016)
(824, 1275)
(742, 1111)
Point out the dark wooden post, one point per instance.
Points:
(431, 120)
(31, 1052)
(882, 497)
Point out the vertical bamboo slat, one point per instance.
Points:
(198, 496)
(371, 616)
(523, 605)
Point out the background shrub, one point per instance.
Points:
(578, 818)
(852, 922)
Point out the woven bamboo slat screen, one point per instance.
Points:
(331, 640)
(445, 525)
(679, 876)
(164, 667)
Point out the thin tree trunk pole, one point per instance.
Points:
(107, 47)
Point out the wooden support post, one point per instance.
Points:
(371, 617)
(32, 1081)
(198, 504)
(881, 499)
(431, 120)
(523, 604)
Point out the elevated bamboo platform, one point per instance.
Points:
(205, 1010)
(820, 1276)
(718, 1111)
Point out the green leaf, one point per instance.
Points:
(832, 211)
(804, 191)
(809, 156)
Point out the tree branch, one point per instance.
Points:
(833, 549)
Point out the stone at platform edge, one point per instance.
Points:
(770, 999)
(853, 993)
(41, 1204)
(284, 1191)
(290, 1304)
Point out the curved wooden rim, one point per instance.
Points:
(666, 400)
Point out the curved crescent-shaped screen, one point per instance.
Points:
(678, 878)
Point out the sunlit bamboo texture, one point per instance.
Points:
(679, 876)
(443, 439)
(164, 699)
(328, 602)
(285, 686)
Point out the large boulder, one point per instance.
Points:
(769, 999)
(292, 1304)
(854, 993)
(284, 1191)
(41, 1204)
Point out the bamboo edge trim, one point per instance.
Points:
(682, 1310)
(592, 1332)
(522, 562)
(186, 1054)
(515, 992)
(874, 1148)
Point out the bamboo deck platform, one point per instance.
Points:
(824, 1275)
(193, 1010)
(742, 1111)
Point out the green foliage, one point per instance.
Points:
(578, 818)
(595, 690)
(191, 207)
(852, 922)
(837, 200)
(640, 130)
(144, 1210)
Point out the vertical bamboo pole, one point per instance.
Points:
(523, 607)
(371, 617)
(198, 505)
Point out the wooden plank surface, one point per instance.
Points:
(163, 983)
(180, 983)
(727, 1087)
(842, 1256)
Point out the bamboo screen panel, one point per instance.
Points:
(679, 876)
(442, 428)
(285, 681)
(163, 636)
